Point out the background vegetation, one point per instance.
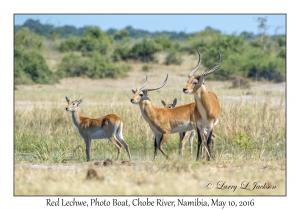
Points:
(93, 53)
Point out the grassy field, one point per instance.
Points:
(50, 158)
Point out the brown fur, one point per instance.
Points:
(211, 108)
(100, 122)
(163, 120)
(109, 126)
(188, 134)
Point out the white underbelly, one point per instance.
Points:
(182, 128)
(100, 134)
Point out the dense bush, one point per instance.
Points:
(92, 55)
(145, 49)
(239, 57)
(173, 57)
(95, 66)
(122, 50)
(164, 42)
(92, 40)
(29, 64)
(69, 45)
(119, 35)
(31, 67)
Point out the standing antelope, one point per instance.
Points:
(183, 136)
(164, 121)
(109, 126)
(207, 104)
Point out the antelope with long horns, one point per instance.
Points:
(163, 121)
(207, 105)
(109, 126)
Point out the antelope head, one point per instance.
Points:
(195, 81)
(169, 106)
(142, 94)
(73, 104)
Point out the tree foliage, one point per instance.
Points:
(92, 40)
(239, 57)
(91, 52)
(29, 64)
(145, 49)
(94, 66)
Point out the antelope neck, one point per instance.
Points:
(76, 117)
(147, 109)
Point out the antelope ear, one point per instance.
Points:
(67, 99)
(145, 92)
(174, 102)
(163, 103)
(134, 91)
(80, 101)
(200, 82)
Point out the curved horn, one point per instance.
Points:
(160, 85)
(196, 68)
(143, 84)
(212, 70)
(134, 91)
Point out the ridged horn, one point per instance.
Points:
(141, 86)
(163, 84)
(211, 70)
(196, 68)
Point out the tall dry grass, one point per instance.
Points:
(252, 124)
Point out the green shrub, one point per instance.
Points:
(28, 40)
(101, 67)
(94, 40)
(29, 64)
(72, 65)
(121, 50)
(268, 68)
(121, 34)
(164, 42)
(282, 54)
(96, 66)
(173, 57)
(281, 40)
(144, 50)
(69, 45)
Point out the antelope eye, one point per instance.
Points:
(170, 106)
(195, 83)
(73, 104)
(141, 94)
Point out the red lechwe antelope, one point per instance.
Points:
(109, 126)
(164, 121)
(188, 135)
(183, 136)
(207, 104)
